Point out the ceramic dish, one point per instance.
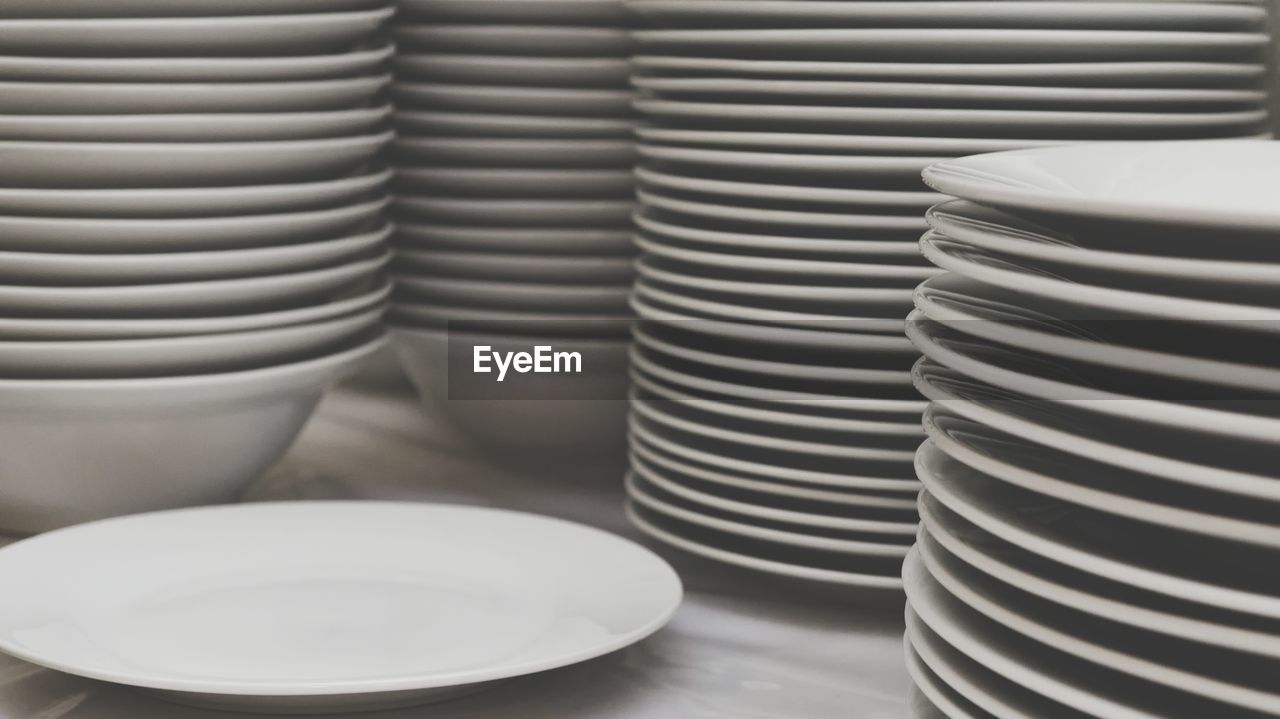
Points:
(586, 300)
(797, 194)
(864, 273)
(178, 8)
(566, 240)
(244, 654)
(832, 143)
(885, 169)
(223, 127)
(832, 296)
(565, 269)
(515, 182)
(932, 698)
(715, 307)
(506, 39)
(515, 213)
(504, 152)
(532, 70)
(587, 12)
(727, 241)
(574, 102)
(188, 69)
(472, 124)
(436, 316)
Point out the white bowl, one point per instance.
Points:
(586, 418)
(77, 450)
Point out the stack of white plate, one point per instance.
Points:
(1101, 520)
(513, 198)
(190, 241)
(780, 187)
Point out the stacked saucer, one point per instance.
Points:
(190, 242)
(1101, 515)
(779, 183)
(513, 197)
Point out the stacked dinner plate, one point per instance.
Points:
(190, 241)
(1101, 515)
(513, 200)
(780, 197)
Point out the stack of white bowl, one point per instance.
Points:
(513, 198)
(191, 235)
(1101, 520)
(780, 199)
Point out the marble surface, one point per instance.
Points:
(743, 645)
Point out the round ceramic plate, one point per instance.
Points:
(867, 225)
(866, 274)
(1067, 74)
(166, 164)
(903, 170)
(587, 300)
(607, 12)
(959, 44)
(186, 69)
(530, 70)
(427, 124)
(515, 213)
(514, 239)
(564, 269)
(571, 101)
(436, 316)
(1059, 124)
(830, 143)
(744, 242)
(941, 13)
(834, 296)
(214, 127)
(176, 8)
(1223, 185)
(908, 201)
(189, 201)
(487, 39)
(237, 624)
(193, 36)
(516, 182)
(710, 306)
(521, 152)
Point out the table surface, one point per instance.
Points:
(743, 645)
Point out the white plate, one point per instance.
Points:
(422, 124)
(607, 12)
(534, 70)
(516, 182)
(220, 127)
(958, 44)
(514, 239)
(163, 234)
(931, 697)
(175, 299)
(570, 101)
(12, 328)
(903, 170)
(867, 225)
(240, 618)
(833, 296)
(1059, 584)
(745, 242)
(536, 212)
(1223, 185)
(196, 354)
(1067, 74)
(1036, 124)
(704, 305)
(176, 8)
(167, 164)
(518, 152)
(831, 143)
(187, 69)
(1150, 258)
(193, 36)
(755, 191)
(938, 95)
(191, 201)
(584, 300)
(132, 268)
(504, 39)
(435, 316)
(941, 13)
(1017, 516)
(87, 98)
(863, 274)
(485, 265)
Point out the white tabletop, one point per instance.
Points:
(743, 645)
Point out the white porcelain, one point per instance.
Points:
(189, 69)
(61, 329)
(177, 8)
(516, 182)
(175, 299)
(504, 601)
(86, 234)
(505, 39)
(900, 169)
(166, 164)
(1159, 73)
(430, 124)
(584, 300)
(832, 143)
(653, 225)
(957, 44)
(517, 213)
(605, 12)
(862, 274)
(1223, 185)
(932, 698)
(909, 201)
(220, 431)
(437, 316)
(567, 269)
(191, 201)
(514, 239)
(223, 127)
(193, 36)
(136, 268)
(519, 152)
(534, 70)
(1059, 124)
(833, 297)
(572, 101)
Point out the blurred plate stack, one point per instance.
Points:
(191, 238)
(1101, 515)
(780, 193)
(513, 197)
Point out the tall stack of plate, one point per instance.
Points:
(190, 241)
(513, 197)
(1101, 515)
(780, 195)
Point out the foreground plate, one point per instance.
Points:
(333, 606)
